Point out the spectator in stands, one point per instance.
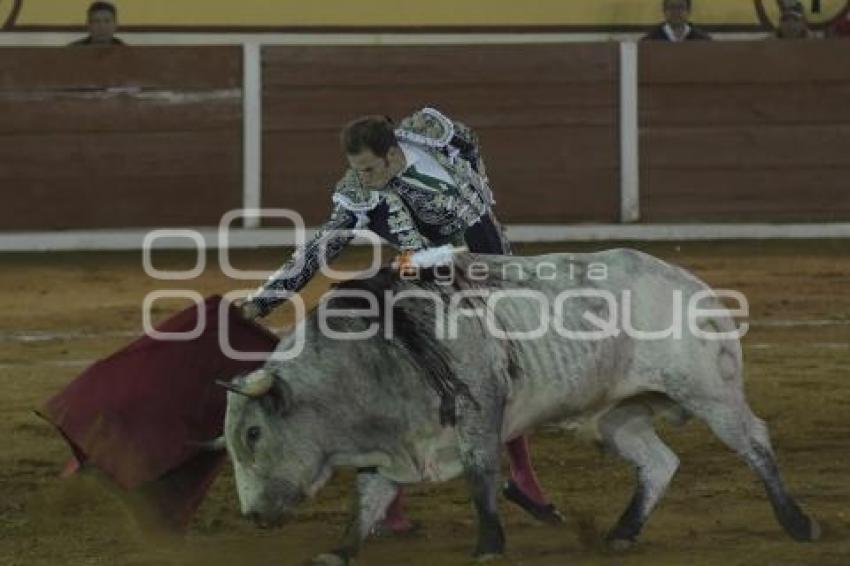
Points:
(676, 25)
(792, 19)
(840, 25)
(793, 24)
(102, 23)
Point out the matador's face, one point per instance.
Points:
(376, 172)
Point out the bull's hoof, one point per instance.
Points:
(619, 544)
(488, 557)
(543, 512)
(802, 528)
(329, 560)
(815, 530)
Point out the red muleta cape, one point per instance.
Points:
(139, 414)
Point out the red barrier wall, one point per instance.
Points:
(115, 138)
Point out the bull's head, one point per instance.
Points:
(274, 444)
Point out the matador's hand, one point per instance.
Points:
(248, 309)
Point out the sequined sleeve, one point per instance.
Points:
(305, 262)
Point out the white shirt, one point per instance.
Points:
(424, 163)
(671, 35)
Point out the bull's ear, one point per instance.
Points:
(281, 396)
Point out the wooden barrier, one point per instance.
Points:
(116, 138)
(547, 116)
(754, 131)
(142, 137)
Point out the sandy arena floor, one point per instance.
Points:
(60, 312)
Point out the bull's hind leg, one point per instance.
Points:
(736, 425)
(627, 430)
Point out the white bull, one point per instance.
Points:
(430, 389)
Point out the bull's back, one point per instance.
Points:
(607, 314)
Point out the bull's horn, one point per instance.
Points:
(230, 387)
(258, 383)
(214, 445)
(254, 385)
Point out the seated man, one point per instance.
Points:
(676, 26)
(419, 186)
(792, 20)
(839, 26)
(102, 21)
(793, 24)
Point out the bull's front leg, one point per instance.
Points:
(480, 456)
(373, 495)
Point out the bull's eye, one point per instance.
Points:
(252, 435)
